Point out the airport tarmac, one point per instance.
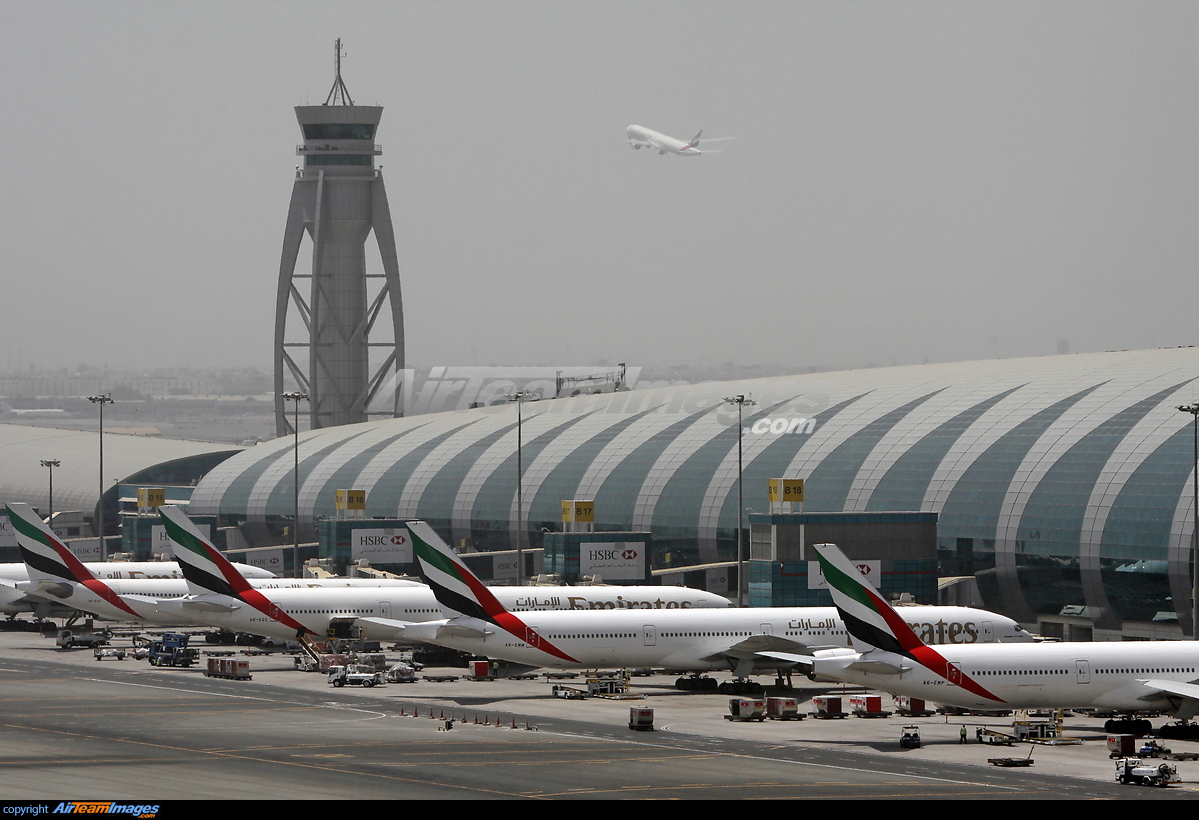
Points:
(77, 728)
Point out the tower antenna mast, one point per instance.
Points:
(338, 91)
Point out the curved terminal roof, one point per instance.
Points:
(1079, 465)
(127, 459)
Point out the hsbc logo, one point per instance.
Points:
(868, 569)
(613, 555)
(382, 540)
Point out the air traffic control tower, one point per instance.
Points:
(339, 348)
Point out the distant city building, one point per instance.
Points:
(338, 200)
(72, 386)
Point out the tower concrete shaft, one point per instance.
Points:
(338, 199)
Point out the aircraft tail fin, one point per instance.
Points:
(207, 571)
(47, 557)
(202, 564)
(50, 562)
(695, 140)
(457, 588)
(874, 622)
(453, 584)
(867, 616)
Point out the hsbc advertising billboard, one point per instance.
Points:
(613, 560)
(872, 571)
(384, 546)
(161, 542)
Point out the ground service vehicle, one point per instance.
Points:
(172, 650)
(67, 639)
(401, 672)
(340, 676)
(1145, 773)
(228, 668)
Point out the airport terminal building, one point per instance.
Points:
(1062, 483)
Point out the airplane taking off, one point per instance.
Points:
(221, 598)
(693, 640)
(36, 413)
(641, 137)
(1118, 676)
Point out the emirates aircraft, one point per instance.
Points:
(56, 575)
(887, 655)
(221, 597)
(695, 640)
(54, 583)
(641, 137)
(14, 600)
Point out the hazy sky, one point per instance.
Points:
(911, 181)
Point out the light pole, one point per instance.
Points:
(101, 400)
(297, 397)
(519, 397)
(1193, 409)
(51, 463)
(741, 401)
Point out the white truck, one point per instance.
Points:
(1145, 772)
(341, 676)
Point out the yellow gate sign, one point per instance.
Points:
(349, 499)
(787, 490)
(149, 497)
(578, 512)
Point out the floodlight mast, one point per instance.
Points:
(741, 401)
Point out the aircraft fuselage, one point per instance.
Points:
(695, 640)
(1042, 675)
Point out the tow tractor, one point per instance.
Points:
(910, 738)
(172, 650)
(1145, 773)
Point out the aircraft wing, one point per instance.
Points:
(759, 645)
(46, 589)
(385, 627)
(878, 667)
(429, 631)
(198, 603)
(453, 630)
(1173, 687)
(862, 663)
(1187, 693)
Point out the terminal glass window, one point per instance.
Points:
(338, 159)
(338, 131)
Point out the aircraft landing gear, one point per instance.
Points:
(696, 683)
(740, 687)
